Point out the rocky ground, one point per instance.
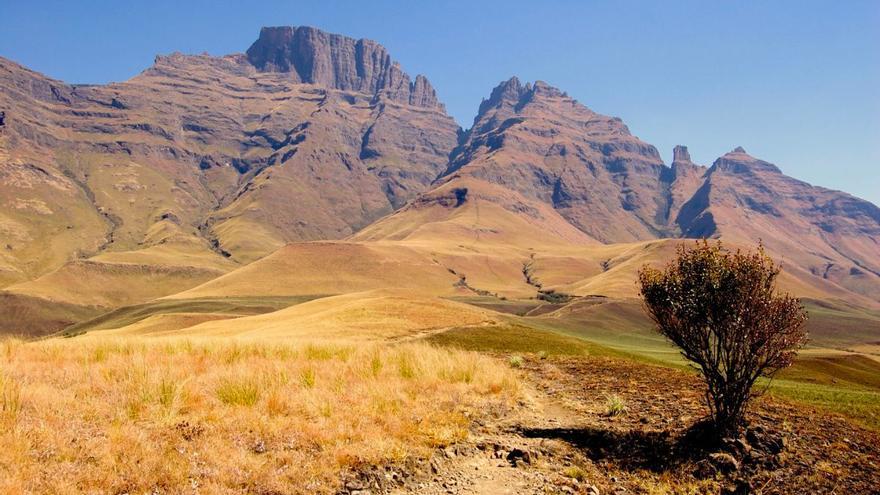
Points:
(562, 439)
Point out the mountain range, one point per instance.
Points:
(313, 165)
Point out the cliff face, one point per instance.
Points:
(312, 56)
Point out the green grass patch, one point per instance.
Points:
(863, 406)
(515, 338)
(518, 307)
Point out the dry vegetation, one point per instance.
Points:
(168, 415)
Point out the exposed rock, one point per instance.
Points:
(680, 154)
(313, 56)
(725, 462)
(517, 455)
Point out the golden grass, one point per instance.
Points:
(223, 416)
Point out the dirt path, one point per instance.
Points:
(499, 460)
(560, 439)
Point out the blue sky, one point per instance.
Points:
(796, 83)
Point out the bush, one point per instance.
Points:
(721, 309)
(553, 297)
(516, 361)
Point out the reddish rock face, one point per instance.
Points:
(312, 56)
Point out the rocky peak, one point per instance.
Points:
(541, 88)
(313, 56)
(680, 154)
(514, 95)
(508, 93)
(740, 162)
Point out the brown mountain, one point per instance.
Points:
(118, 194)
(533, 143)
(201, 163)
(833, 235)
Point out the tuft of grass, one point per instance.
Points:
(376, 365)
(10, 345)
(614, 405)
(100, 354)
(405, 366)
(168, 392)
(575, 472)
(515, 361)
(307, 378)
(10, 400)
(239, 391)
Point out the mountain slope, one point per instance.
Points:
(539, 142)
(247, 157)
(830, 234)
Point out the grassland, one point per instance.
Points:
(210, 416)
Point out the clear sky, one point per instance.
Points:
(796, 83)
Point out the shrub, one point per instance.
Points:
(721, 309)
(553, 297)
(516, 361)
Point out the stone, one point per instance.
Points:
(725, 462)
(525, 456)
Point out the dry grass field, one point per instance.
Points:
(210, 416)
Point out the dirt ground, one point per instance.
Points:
(561, 439)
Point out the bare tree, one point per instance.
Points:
(722, 310)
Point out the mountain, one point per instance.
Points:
(312, 165)
(536, 148)
(202, 163)
(833, 235)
